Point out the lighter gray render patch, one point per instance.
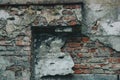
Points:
(51, 61)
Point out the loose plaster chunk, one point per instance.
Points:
(51, 60)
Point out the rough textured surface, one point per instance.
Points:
(92, 56)
(111, 41)
(100, 19)
(49, 57)
(14, 68)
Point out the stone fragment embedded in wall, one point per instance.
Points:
(14, 68)
(50, 60)
(58, 15)
(15, 19)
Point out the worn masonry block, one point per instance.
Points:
(82, 71)
(14, 67)
(15, 50)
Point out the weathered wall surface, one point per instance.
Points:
(15, 35)
(97, 54)
(101, 19)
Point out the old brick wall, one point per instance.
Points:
(15, 34)
(92, 57)
(95, 54)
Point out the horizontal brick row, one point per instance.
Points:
(92, 56)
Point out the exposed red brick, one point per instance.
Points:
(82, 71)
(116, 66)
(72, 6)
(4, 43)
(22, 43)
(19, 42)
(92, 50)
(78, 48)
(85, 39)
(84, 66)
(92, 67)
(67, 12)
(80, 66)
(69, 18)
(80, 55)
(114, 60)
(110, 60)
(86, 71)
(117, 60)
(101, 65)
(103, 48)
(77, 71)
(72, 23)
(77, 66)
(73, 44)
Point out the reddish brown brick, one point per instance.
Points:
(77, 71)
(77, 66)
(84, 66)
(92, 50)
(72, 6)
(103, 48)
(92, 67)
(69, 18)
(80, 55)
(72, 23)
(2, 43)
(101, 65)
(114, 60)
(22, 43)
(82, 71)
(73, 44)
(5, 43)
(116, 66)
(85, 39)
(86, 71)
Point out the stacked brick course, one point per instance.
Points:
(15, 42)
(92, 56)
